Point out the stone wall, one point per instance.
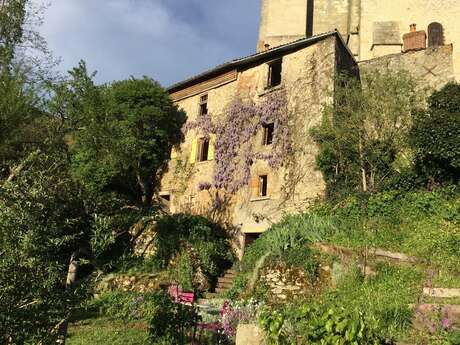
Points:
(285, 282)
(372, 28)
(432, 67)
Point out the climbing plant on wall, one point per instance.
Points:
(235, 130)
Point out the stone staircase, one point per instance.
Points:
(224, 284)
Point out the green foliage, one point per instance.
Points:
(183, 271)
(127, 306)
(42, 222)
(12, 17)
(191, 243)
(272, 322)
(304, 258)
(363, 136)
(420, 223)
(320, 324)
(22, 126)
(435, 133)
(293, 232)
(120, 134)
(386, 297)
(171, 321)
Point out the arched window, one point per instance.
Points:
(435, 35)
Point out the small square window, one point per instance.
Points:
(274, 73)
(268, 130)
(203, 150)
(263, 185)
(165, 198)
(204, 105)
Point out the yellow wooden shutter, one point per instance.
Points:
(194, 148)
(254, 186)
(174, 153)
(212, 142)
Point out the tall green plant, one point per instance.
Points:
(364, 134)
(435, 136)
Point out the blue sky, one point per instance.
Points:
(168, 40)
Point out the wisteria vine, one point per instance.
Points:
(235, 131)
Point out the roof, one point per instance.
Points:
(267, 54)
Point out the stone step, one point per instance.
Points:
(221, 290)
(224, 286)
(225, 280)
(231, 271)
(210, 295)
(441, 292)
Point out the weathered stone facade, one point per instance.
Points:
(372, 28)
(307, 78)
(431, 67)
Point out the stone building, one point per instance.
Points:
(250, 174)
(300, 77)
(371, 28)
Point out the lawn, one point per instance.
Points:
(106, 331)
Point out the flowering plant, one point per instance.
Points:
(238, 312)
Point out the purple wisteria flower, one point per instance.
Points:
(204, 186)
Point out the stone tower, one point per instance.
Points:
(284, 21)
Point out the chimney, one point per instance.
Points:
(414, 40)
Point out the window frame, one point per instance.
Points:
(263, 186)
(203, 105)
(202, 153)
(268, 131)
(270, 80)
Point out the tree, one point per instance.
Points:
(363, 136)
(120, 134)
(435, 136)
(43, 220)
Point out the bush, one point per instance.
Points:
(293, 232)
(171, 321)
(186, 244)
(434, 136)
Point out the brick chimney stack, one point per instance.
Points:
(414, 40)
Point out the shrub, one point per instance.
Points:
(187, 244)
(434, 136)
(171, 321)
(294, 231)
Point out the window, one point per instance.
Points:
(274, 73)
(165, 198)
(204, 105)
(435, 35)
(263, 185)
(268, 130)
(203, 149)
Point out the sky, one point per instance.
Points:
(167, 40)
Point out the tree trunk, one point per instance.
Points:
(146, 187)
(71, 281)
(363, 168)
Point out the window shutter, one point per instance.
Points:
(174, 154)
(212, 142)
(254, 186)
(194, 148)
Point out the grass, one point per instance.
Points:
(106, 331)
(387, 296)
